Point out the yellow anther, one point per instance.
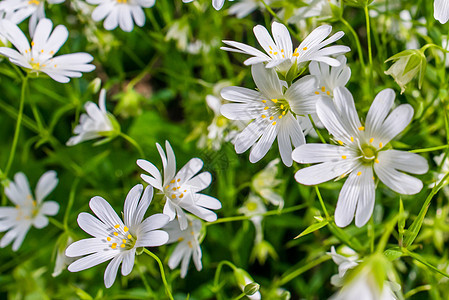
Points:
(55, 66)
(129, 236)
(275, 53)
(359, 173)
(271, 118)
(282, 106)
(52, 52)
(352, 139)
(174, 189)
(173, 181)
(283, 56)
(377, 161)
(344, 157)
(115, 233)
(32, 43)
(264, 101)
(108, 238)
(340, 142)
(42, 51)
(328, 93)
(192, 233)
(274, 123)
(178, 187)
(124, 241)
(190, 244)
(371, 140)
(182, 195)
(282, 50)
(323, 89)
(185, 191)
(178, 180)
(264, 116)
(361, 128)
(280, 117)
(125, 229)
(381, 145)
(317, 92)
(180, 239)
(122, 246)
(114, 245)
(283, 113)
(266, 108)
(305, 48)
(173, 196)
(270, 47)
(271, 52)
(32, 59)
(117, 226)
(274, 100)
(374, 178)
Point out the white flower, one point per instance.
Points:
(274, 112)
(19, 10)
(345, 262)
(62, 260)
(314, 8)
(364, 286)
(441, 10)
(280, 52)
(243, 279)
(115, 239)
(265, 182)
(330, 77)
(120, 13)
(28, 211)
(217, 4)
(96, 123)
(181, 189)
(39, 58)
(244, 7)
(360, 151)
(188, 245)
(254, 208)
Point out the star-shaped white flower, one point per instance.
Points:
(96, 123)
(280, 52)
(188, 245)
(18, 10)
(441, 10)
(360, 152)
(313, 8)
(39, 57)
(273, 110)
(123, 13)
(330, 77)
(345, 262)
(28, 211)
(116, 239)
(181, 189)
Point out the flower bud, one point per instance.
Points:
(406, 65)
(94, 86)
(251, 289)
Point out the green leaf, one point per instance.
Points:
(393, 253)
(312, 228)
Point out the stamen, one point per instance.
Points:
(328, 93)
(305, 48)
(108, 239)
(264, 116)
(317, 92)
(340, 142)
(264, 101)
(180, 239)
(173, 196)
(182, 195)
(271, 118)
(371, 140)
(274, 100)
(122, 246)
(377, 161)
(173, 181)
(178, 180)
(114, 245)
(190, 244)
(116, 226)
(124, 241)
(359, 173)
(280, 117)
(115, 233)
(125, 229)
(361, 128)
(323, 89)
(381, 145)
(352, 139)
(344, 157)
(266, 108)
(274, 123)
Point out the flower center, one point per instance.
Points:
(275, 109)
(122, 1)
(120, 238)
(173, 190)
(324, 91)
(368, 153)
(251, 206)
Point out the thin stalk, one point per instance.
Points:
(268, 213)
(370, 51)
(288, 277)
(316, 130)
(357, 41)
(217, 275)
(70, 203)
(18, 126)
(134, 143)
(321, 202)
(429, 149)
(161, 268)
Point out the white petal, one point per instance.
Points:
(170, 170)
(240, 94)
(395, 123)
(397, 181)
(379, 110)
(104, 212)
(91, 261)
(441, 10)
(404, 161)
(282, 38)
(324, 172)
(207, 201)
(238, 111)
(111, 271)
(260, 149)
(345, 104)
(192, 167)
(175, 258)
(250, 135)
(267, 81)
(92, 225)
(200, 181)
(152, 239)
(201, 213)
(169, 210)
(333, 121)
(85, 246)
(49, 208)
(301, 95)
(218, 4)
(45, 185)
(40, 222)
(317, 153)
(365, 203)
(131, 202)
(128, 261)
(153, 222)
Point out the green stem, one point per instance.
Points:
(429, 149)
(161, 268)
(320, 198)
(217, 275)
(70, 203)
(357, 41)
(316, 130)
(370, 51)
(57, 223)
(268, 213)
(288, 277)
(18, 125)
(143, 73)
(421, 288)
(240, 296)
(423, 261)
(134, 143)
